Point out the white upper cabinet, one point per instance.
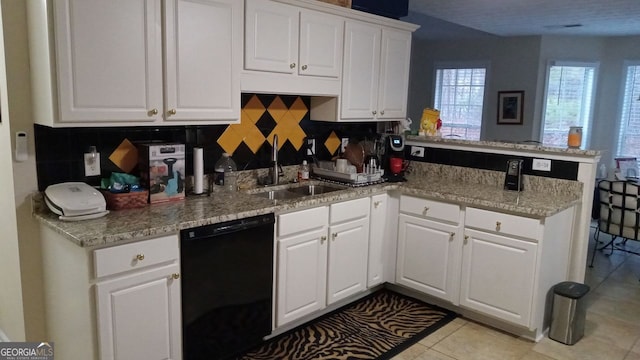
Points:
(395, 61)
(286, 39)
(203, 59)
(361, 70)
(376, 72)
(109, 60)
(271, 38)
(105, 62)
(321, 41)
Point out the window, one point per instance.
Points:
(629, 135)
(568, 101)
(459, 95)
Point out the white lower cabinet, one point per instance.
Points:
(322, 257)
(377, 231)
(495, 264)
(139, 311)
(429, 247)
(114, 303)
(139, 315)
(302, 263)
(497, 276)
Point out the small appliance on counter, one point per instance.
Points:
(162, 171)
(393, 160)
(513, 176)
(75, 201)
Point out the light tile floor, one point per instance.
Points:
(612, 329)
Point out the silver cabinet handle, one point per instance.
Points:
(376, 204)
(374, 112)
(140, 257)
(498, 224)
(323, 239)
(175, 276)
(452, 235)
(292, 65)
(425, 210)
(466, 239)
(172, 112)
(304, 67)
(334, 236)
(382, 112)
(152, 112)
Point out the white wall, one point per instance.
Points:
(513, 66)
(25, 180)
(11, 309)
(519, 63)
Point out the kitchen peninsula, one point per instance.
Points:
(458, 206)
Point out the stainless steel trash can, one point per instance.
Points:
(568, 312)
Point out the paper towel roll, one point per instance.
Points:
(198, 170)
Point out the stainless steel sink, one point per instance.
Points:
(280, 194)
(314, 189)
(294, 191)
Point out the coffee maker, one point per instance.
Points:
(393, 159)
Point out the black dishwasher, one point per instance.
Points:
(227, 285)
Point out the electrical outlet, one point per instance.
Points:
(311, 147)
(541, 164)
(345, 142)
(92, 164)
(417, 151)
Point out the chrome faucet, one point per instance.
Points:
(275, 167)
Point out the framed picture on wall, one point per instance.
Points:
(510, 107)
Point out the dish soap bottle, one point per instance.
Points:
(303, 171)
(226, 172)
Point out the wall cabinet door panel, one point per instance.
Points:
(109, 60)
(206, 86)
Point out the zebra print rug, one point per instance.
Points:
(378, 326)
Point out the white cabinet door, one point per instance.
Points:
(302, 274)
(394, 74)
(109, 60)
(497, 276)
(348, 253)
(361, 71)
(377, 230)
(271, 36)
(202, 59)
(428, 256)
(139, 315)
(321, 39)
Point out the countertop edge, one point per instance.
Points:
(511, 206)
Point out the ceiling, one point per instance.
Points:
(537, 17)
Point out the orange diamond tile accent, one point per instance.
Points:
(296, 137)
(277, 109)
(254, 109)
(125, 156)
(250, 134)
(333, 143)
(298, 109)
(230, 140)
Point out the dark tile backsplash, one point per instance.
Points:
(59, 151)
(560, 169)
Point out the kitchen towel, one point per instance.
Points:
(198, 170)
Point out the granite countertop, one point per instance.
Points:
(505, 145)
(167, 218)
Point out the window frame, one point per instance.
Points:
(586, 136)
(484, 64)
(623, 82)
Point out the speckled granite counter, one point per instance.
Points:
(501, 145)
(159, 219)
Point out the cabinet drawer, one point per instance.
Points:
(136, 255)
(503, 223)
(303, 220)
(349, 210)
(430, 209)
